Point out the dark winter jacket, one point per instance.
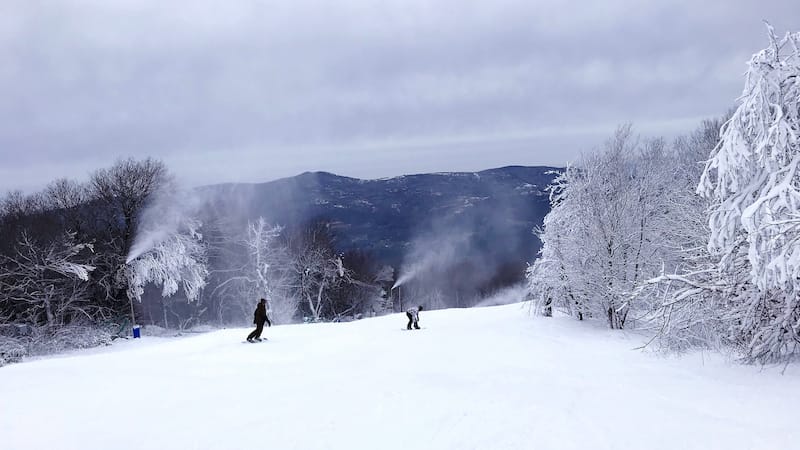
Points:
(260, 316)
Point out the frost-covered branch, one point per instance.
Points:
(753, 181)
(177, 262)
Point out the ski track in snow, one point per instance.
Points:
(481, 378)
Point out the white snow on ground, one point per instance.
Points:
(482, 378)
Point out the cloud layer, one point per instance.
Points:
(251, 90)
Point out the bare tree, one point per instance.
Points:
(316, 268)
(124, 189)
(65, 194)
(364, 290)
(43, 284)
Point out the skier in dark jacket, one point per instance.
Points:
(259, 317)
(413, 317)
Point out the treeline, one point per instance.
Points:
(62, 250)
(92, 255)
(699, 239)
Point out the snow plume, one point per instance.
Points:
(432, 253)
(168, 249)
(170, 209)
(468, 252)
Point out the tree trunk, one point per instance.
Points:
(164, 309)
(318, 310)
(48, 310)
(548, 307)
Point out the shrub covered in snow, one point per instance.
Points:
(45, 342)
(11, 350)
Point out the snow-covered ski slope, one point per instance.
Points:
(483, 378)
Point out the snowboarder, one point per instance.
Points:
(413, 316)
(259, 317)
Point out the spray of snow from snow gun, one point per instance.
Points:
(430, 254)
(400, 281)
(407, 276)
(161, 219)
(146, 242)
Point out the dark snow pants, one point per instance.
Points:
(256, 334)
(412, 321)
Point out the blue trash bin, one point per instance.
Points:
(137, 333)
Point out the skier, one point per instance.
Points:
(413, 316)
(259, 317)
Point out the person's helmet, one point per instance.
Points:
(419, 307)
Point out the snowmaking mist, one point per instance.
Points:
(448, 270)
(230, 206)
(431, 253)
(472, 250)
(168, 210)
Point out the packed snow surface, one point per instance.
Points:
(481, 378)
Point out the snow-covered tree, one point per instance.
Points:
(548, 278)
(46, 284)
(753, 181)
(684, 303)
(266, 272)
(176, 263)
(598, 241)
(256, 269)
(319, 273)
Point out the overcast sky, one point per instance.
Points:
(257, 90)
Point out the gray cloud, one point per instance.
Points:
(251, 90)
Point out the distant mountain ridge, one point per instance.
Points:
(497, 209)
